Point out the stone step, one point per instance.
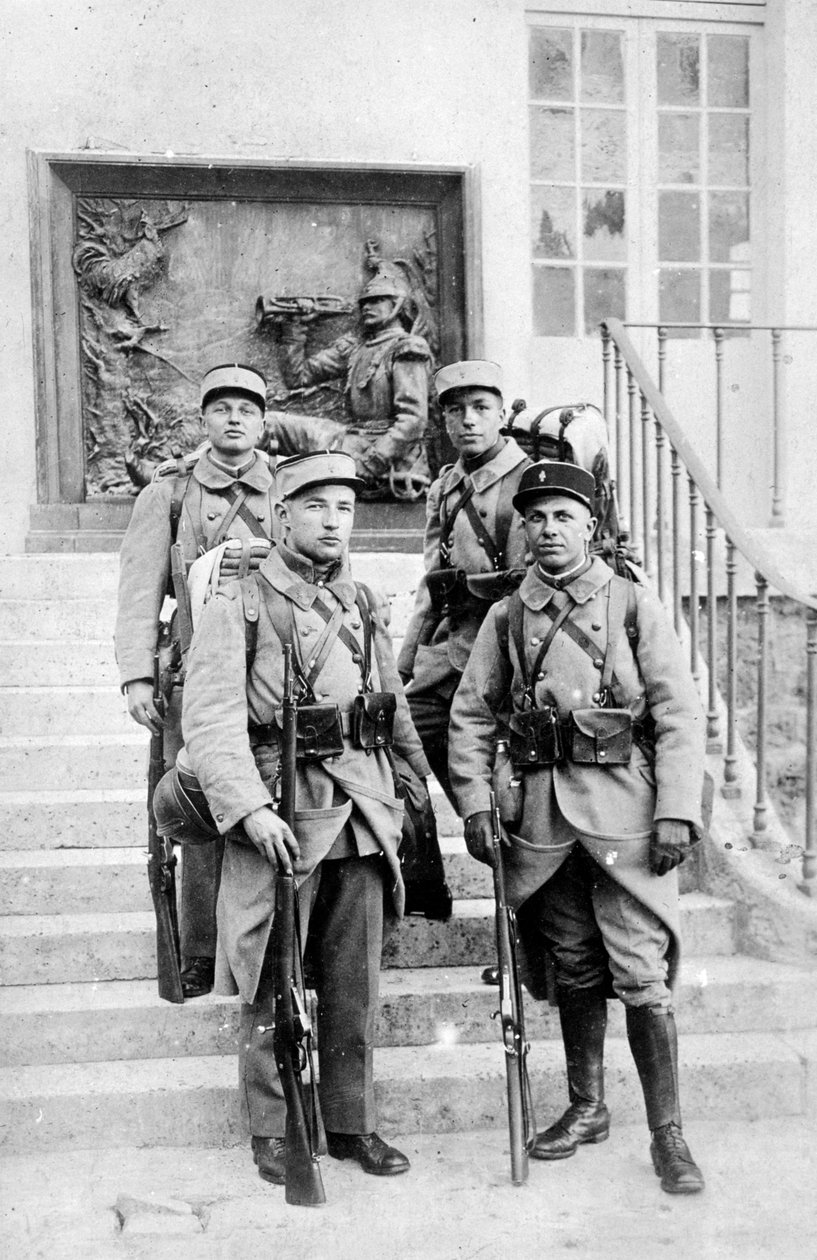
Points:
(84, 880)
(59, 762)
(96, 575)
(55, 663)
(61, 948)
(31, 711)
(117, 1019)
(194, 1101)
(707, 926)
(68, 618)
(59, 577)
(115, 817)
(74, 881)
(72, 819)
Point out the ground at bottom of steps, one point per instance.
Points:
(455, 1203)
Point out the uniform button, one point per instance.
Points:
(219, 818)
(596, 625)
(483, 512)
(355, 625)
(260, 517)
(211, 516)
(534, 641)
(540, 676)
(598, 662)
(318, 695)
(311, 665)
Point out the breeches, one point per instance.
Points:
(342, 928)
(595, 929)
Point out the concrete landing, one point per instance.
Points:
(456, 1203)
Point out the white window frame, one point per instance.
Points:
(641, 265)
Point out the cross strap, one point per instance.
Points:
(237, 497)
(448, 519)
(620, 597)
(282, 616)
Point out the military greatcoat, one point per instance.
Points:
(145, 556)
(143, 583)
(436, 647)
(353, 790)
(610, 810)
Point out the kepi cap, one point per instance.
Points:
(469, 374)
(235, 376)
(553, 476)
(317, 468)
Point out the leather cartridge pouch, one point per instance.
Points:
(319, 732)
(599, 737)
(535, 739)
(373, 720)
(448, 591)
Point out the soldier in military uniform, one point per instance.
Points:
(222, 492)
(606, 740)
(386, 381)
(348, 819)
(473, 544)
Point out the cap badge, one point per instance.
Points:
(543, 475)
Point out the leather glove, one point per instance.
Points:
(479, 837)
(669, 844)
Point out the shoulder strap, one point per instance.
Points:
(251, 600)
(447, 520)
(180, 483)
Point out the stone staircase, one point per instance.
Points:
(89, 1055)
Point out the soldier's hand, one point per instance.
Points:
(141, 706)
(669, 845)
(479, 837)
(272, 837)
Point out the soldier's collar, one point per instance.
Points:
(560, 580)
(536, 593)
(471, 465)
(336, 578)
(210, 475)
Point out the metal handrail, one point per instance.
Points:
(754, 552)
(647, 508)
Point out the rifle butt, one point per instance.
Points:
(304, 1185)
(516, 1124)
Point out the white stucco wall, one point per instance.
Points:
(324, 80)
(370, 81)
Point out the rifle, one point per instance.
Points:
(521, 1121)
(162, 866)
(304, 306)
(292, 1037)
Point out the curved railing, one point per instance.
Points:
(645, 432)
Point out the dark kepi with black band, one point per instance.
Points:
(552, 476)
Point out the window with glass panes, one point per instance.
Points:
(633, 123)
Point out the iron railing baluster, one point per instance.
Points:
(731, 784)
(760, 807)
(713, 743)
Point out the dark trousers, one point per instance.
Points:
(342, 925)
(429, 700)
(596, 930)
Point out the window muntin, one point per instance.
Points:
(578, 148)
(640, 174)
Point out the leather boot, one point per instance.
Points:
(653, 1040)
(583, 1016)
